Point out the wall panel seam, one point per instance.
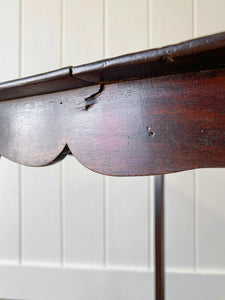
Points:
(20, 43)
(61, 209)
(105, 178)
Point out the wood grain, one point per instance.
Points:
(149, 126)
(194, 55)
(122, 124)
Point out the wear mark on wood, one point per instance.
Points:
(92, 100)
(166, 59)
(150, 132)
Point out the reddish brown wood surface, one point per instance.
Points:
(194, 55)
(151, 112)
(149, 126)
(171, 120)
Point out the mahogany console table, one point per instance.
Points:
(147, 113)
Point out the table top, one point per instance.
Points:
(193, 55)
(151, 112)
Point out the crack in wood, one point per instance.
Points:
(91, 100)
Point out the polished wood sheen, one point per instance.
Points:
(140, 127)
(152, 112)
(194, 55)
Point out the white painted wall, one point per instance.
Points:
(67, 233)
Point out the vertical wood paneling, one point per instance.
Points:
(41, 36)
(10, 39)
(86, 231)
(9, 211)
(211, 218)
(128, 202)
(9, 172)
(41, 187)
(83, 31)
(128, 223)
(127, 26)
(82, 189)
(171, 22)
(179, 226)
(210, 18)
(83, 194)
(41, 215)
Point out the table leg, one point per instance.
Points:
(159, 238)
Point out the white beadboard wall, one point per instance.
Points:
(67, 233)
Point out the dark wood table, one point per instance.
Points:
(148, 113)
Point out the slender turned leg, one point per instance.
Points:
(159, 238)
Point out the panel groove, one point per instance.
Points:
(20, 37)
(61, 212)
(41, 199)
(105, 222)
(20, 245)
(148, 42)
(195, 221)
(194, 18)
(105, 178)
(105, 28)
(20, 238)
(9, 171)
(62, 246)
(83, 190)
(151, 195)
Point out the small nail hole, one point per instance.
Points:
(60, 102)
(151, 133)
